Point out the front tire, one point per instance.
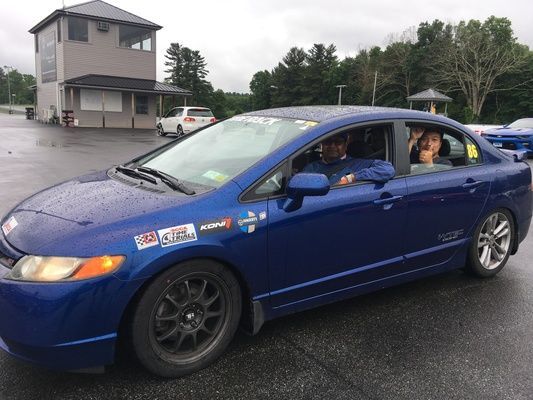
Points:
(186, 318)
(491, 244)
(160, 130)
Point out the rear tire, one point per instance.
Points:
(160, 130)
(179, 131)
(491, 244)
(186, 318)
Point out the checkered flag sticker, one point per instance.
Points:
(146, 240)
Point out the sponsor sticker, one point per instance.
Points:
(9, 225)
(247, 221)
(213, 226)
(215, 176)
(177, 235)
(146, 240)
(256, 120)
(262, 215)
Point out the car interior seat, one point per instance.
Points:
(378, 144)
(445, 148)
(358, 147)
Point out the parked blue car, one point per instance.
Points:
(174, 250)
(515, 136)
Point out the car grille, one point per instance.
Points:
(508, 146)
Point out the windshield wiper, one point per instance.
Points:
(135, 174)
(168, 179)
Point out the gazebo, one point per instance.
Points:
(432, 97)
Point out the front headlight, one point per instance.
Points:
(54, 269)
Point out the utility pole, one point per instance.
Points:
(340, 92)
(9, 87)
(374, 91)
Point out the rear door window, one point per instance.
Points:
(199, 112)
(439, 149)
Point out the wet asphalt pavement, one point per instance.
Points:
(446, 337)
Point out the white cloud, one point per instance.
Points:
(239, 37)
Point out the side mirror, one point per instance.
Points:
(305, 184)
(518, 155)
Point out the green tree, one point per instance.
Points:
(188, 70)
(261, 89)
(319, 85)
(478, 56)
(18, 85)
(288, 79)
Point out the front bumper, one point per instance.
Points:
(64, 326)
(511, 143)
(190, 127)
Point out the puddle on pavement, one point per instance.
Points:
(48, 143)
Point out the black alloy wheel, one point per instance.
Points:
(186, 318)
(160, 130)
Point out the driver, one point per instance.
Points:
(342, 169)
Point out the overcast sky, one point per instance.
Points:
(240, 37)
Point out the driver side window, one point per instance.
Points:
(341, 155)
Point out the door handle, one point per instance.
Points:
(388, 200)
(473, 184)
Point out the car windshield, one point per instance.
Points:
(526, 123)
(222, 151)
(199, 112)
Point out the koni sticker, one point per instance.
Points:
(247, 221)
(146, 240)
(214, 226)
(9, 225)
(177, 235)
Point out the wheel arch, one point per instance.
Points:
(247, 319)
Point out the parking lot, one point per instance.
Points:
(446, 337)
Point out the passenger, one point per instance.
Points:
(429, 144)
(414, 136)
(342, 169)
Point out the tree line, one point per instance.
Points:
(18, 85)
(480, 65)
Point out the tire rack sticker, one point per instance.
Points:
(177, 235)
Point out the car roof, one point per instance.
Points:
(324, 113)
(189, 107)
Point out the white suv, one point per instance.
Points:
(182, 120)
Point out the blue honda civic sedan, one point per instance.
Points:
(515, 136)
(249, 219)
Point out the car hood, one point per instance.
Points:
(510, 131)
(82, 213)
